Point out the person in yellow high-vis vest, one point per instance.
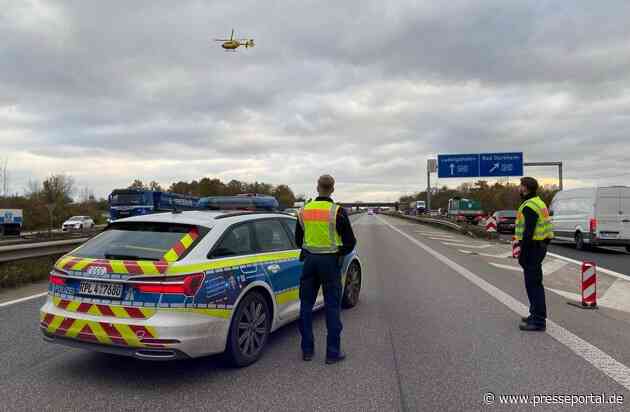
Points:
(534, 232)
(325, 236)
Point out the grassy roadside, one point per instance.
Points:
(24, 271)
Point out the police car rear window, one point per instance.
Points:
(143, 241)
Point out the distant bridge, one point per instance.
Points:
(369, 204)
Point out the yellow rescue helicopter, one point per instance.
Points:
(232, 44)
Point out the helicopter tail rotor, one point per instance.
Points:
(249, 43)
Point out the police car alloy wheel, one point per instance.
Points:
(352, 287)
(249, 330)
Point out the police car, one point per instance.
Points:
(180, 285)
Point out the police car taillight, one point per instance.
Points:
(187, 285)
(55, 279)
(593, 225)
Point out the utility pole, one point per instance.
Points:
(431, 168)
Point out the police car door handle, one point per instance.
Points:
(273, 268)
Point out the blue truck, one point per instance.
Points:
(10, 222)
(134, 202)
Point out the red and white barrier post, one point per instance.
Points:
(491, 226)
(589, 284)
(588, 287)
(516, 248)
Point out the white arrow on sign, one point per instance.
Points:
(452, 169)
(494, 167)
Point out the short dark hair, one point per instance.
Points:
(530, 184)
(326, 183)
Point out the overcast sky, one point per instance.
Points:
(111, 91)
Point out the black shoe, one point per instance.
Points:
(335, 359)
(307, 357)
(525, 319)
(532, 327)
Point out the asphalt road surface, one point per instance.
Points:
(435, 331)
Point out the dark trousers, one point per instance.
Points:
(321, 270)
(531, 259)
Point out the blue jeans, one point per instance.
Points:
(321, 270)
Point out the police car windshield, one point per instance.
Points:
(138, 241)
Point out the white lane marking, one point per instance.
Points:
(507, 267)
(499, 256)
(564, 293)
(599, 268)
(24, 299)
(592, 354)
(552, 266)
(469, 246)
(433, 233)
(447, 239)
(616, 296)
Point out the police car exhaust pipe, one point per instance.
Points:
(155, 355)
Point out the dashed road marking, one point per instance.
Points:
(506, 267)
(490, 255)
(468, 246)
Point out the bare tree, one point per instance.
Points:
(58, 189)
(137, 184)
(86, 195)
(155, 186)
(33, 189)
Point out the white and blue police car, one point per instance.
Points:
(180, 285)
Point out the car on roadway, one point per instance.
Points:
(182, 285)
(79, 223)
(370, 212)
(598, 216)
(505, 220)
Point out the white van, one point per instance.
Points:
(593, 216)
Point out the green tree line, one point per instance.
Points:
(497, 196)
(51, 202)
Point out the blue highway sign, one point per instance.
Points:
(501, 164)
(458, 165)
(480, 165)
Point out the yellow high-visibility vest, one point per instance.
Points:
(319, 221)
(543, 229)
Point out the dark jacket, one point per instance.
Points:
(343, 228)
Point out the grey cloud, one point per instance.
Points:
(366, 90)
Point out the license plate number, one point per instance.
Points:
(108, 290)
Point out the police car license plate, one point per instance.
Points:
(108, 290)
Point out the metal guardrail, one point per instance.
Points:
(435, 221)
(32, 250)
